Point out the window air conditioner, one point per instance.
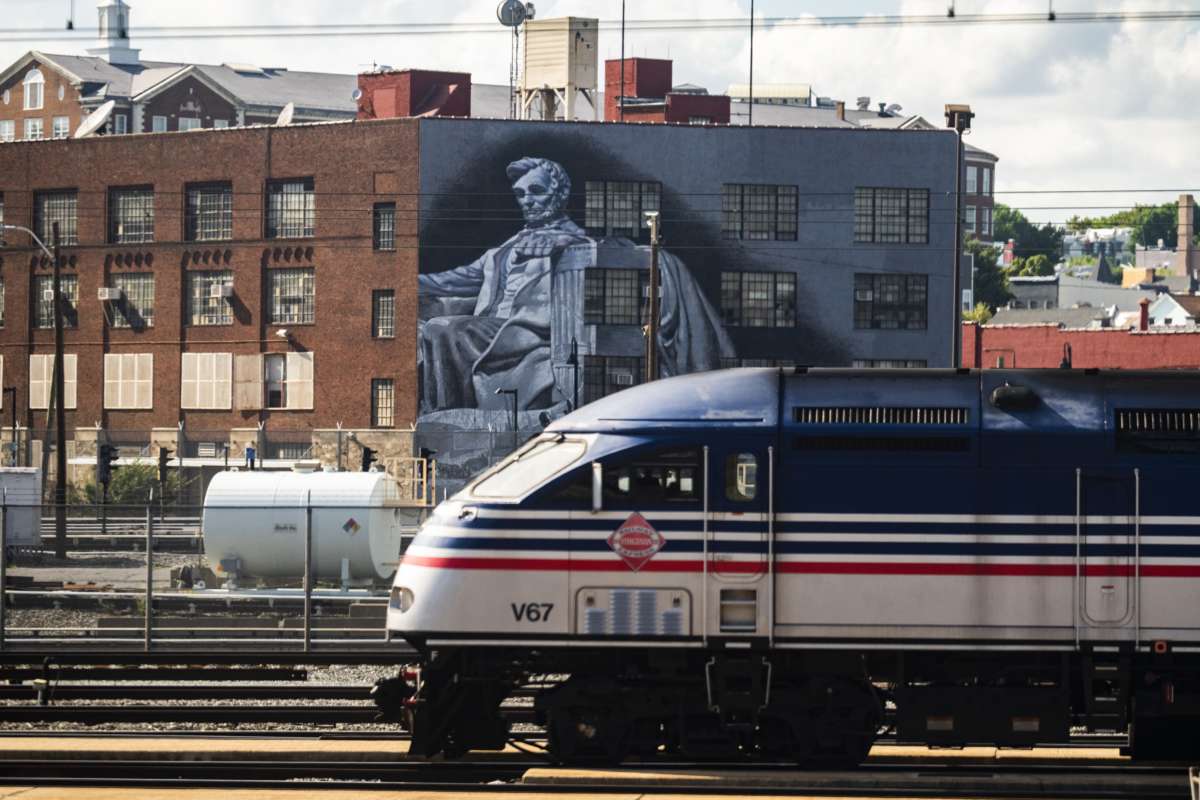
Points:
(48, 295)
(220, 290)
(108, 293)
(622, 378)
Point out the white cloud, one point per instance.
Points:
(1087, 106)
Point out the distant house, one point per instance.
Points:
(48, 95)
(1175, 311)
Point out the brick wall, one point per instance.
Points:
(1042, 346)
(52, 107)
(353, 166)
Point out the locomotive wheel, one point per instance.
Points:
(836, 731)
(588, 735)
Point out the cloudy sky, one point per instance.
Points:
(1080, 107)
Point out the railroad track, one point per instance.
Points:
(509, 775)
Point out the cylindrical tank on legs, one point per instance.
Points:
(254, 524)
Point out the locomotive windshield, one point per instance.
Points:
(529, 467)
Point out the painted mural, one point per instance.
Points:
(504, 325)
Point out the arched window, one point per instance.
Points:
(35, 85)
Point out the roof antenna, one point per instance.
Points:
(950, 10)
(70, 15)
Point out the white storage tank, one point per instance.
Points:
(254, 524)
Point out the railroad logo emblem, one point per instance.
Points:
(636, 541)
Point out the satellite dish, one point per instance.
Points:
(96, 120)
(356, 95)
(511, 13)
(285, 116)
(893, 108)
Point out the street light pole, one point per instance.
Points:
(652, 311)
(958, 117)
(60, 435)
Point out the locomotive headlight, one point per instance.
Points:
(401, 599)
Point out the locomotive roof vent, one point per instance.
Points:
(1010, 397)
(880, 415)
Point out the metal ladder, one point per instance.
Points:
(1106, 687)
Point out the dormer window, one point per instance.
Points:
(35, 85)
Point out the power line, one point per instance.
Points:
(688, 24)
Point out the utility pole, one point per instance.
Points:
(750, 118)
(958, 117)
(652, 311)
(60, 416)
(621, 99)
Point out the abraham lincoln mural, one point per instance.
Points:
(505, 320)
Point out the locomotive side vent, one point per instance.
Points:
(880, 415)
(1158, 430)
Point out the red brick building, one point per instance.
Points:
(256, 281)
(1046, 346)
(649, 96)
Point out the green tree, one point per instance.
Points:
(131, 486)
(1149, 223)
(991, 284)
(980, 313)
(1009, 223)
(1032, 266)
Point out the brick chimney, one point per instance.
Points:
(414, 93)
(1144, 314)
(1186, 261)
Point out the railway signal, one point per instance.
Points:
(106, 455)
(164, 456)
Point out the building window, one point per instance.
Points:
(220, 123)
(8, 130)
(207, 303)
(987, 180)
(758, 299)
(383, 403)
(43, 292)
(890, 363)
(207, 381)
(287, 380)
(120, 124)
(275, 379)
(292, 293)
(891, 215)
(383, 313)
(41, 379)
(290, 209)
(1, 219)
(972, 180)
(985, 221)
(128, 380)
(758, 212)
(603, 375)
(891, 302)
(60, 127)
(209, 213)
(52, 207)
(35, 90)
(700, 120)
(131, 215)
(189, 123)
(969, 219)
(385, 226)
(158, 124)
(135, 309)
(33, 129)
(2, 304)
(616, 208)
(614, 296)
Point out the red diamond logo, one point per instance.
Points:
(636, 541)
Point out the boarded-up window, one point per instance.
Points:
(299, 380)
(128, 380)
(41, 376)
(248, 382)
(207, 380)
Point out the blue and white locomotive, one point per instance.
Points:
(758, 561)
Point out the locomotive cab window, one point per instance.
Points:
(529, 467)
(664, 477)
(741, 476)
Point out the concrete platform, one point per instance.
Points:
(317, 793)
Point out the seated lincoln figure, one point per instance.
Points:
(521, 293)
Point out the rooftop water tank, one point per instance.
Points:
(258, 518)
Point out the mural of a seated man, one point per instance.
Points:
(489, 325)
